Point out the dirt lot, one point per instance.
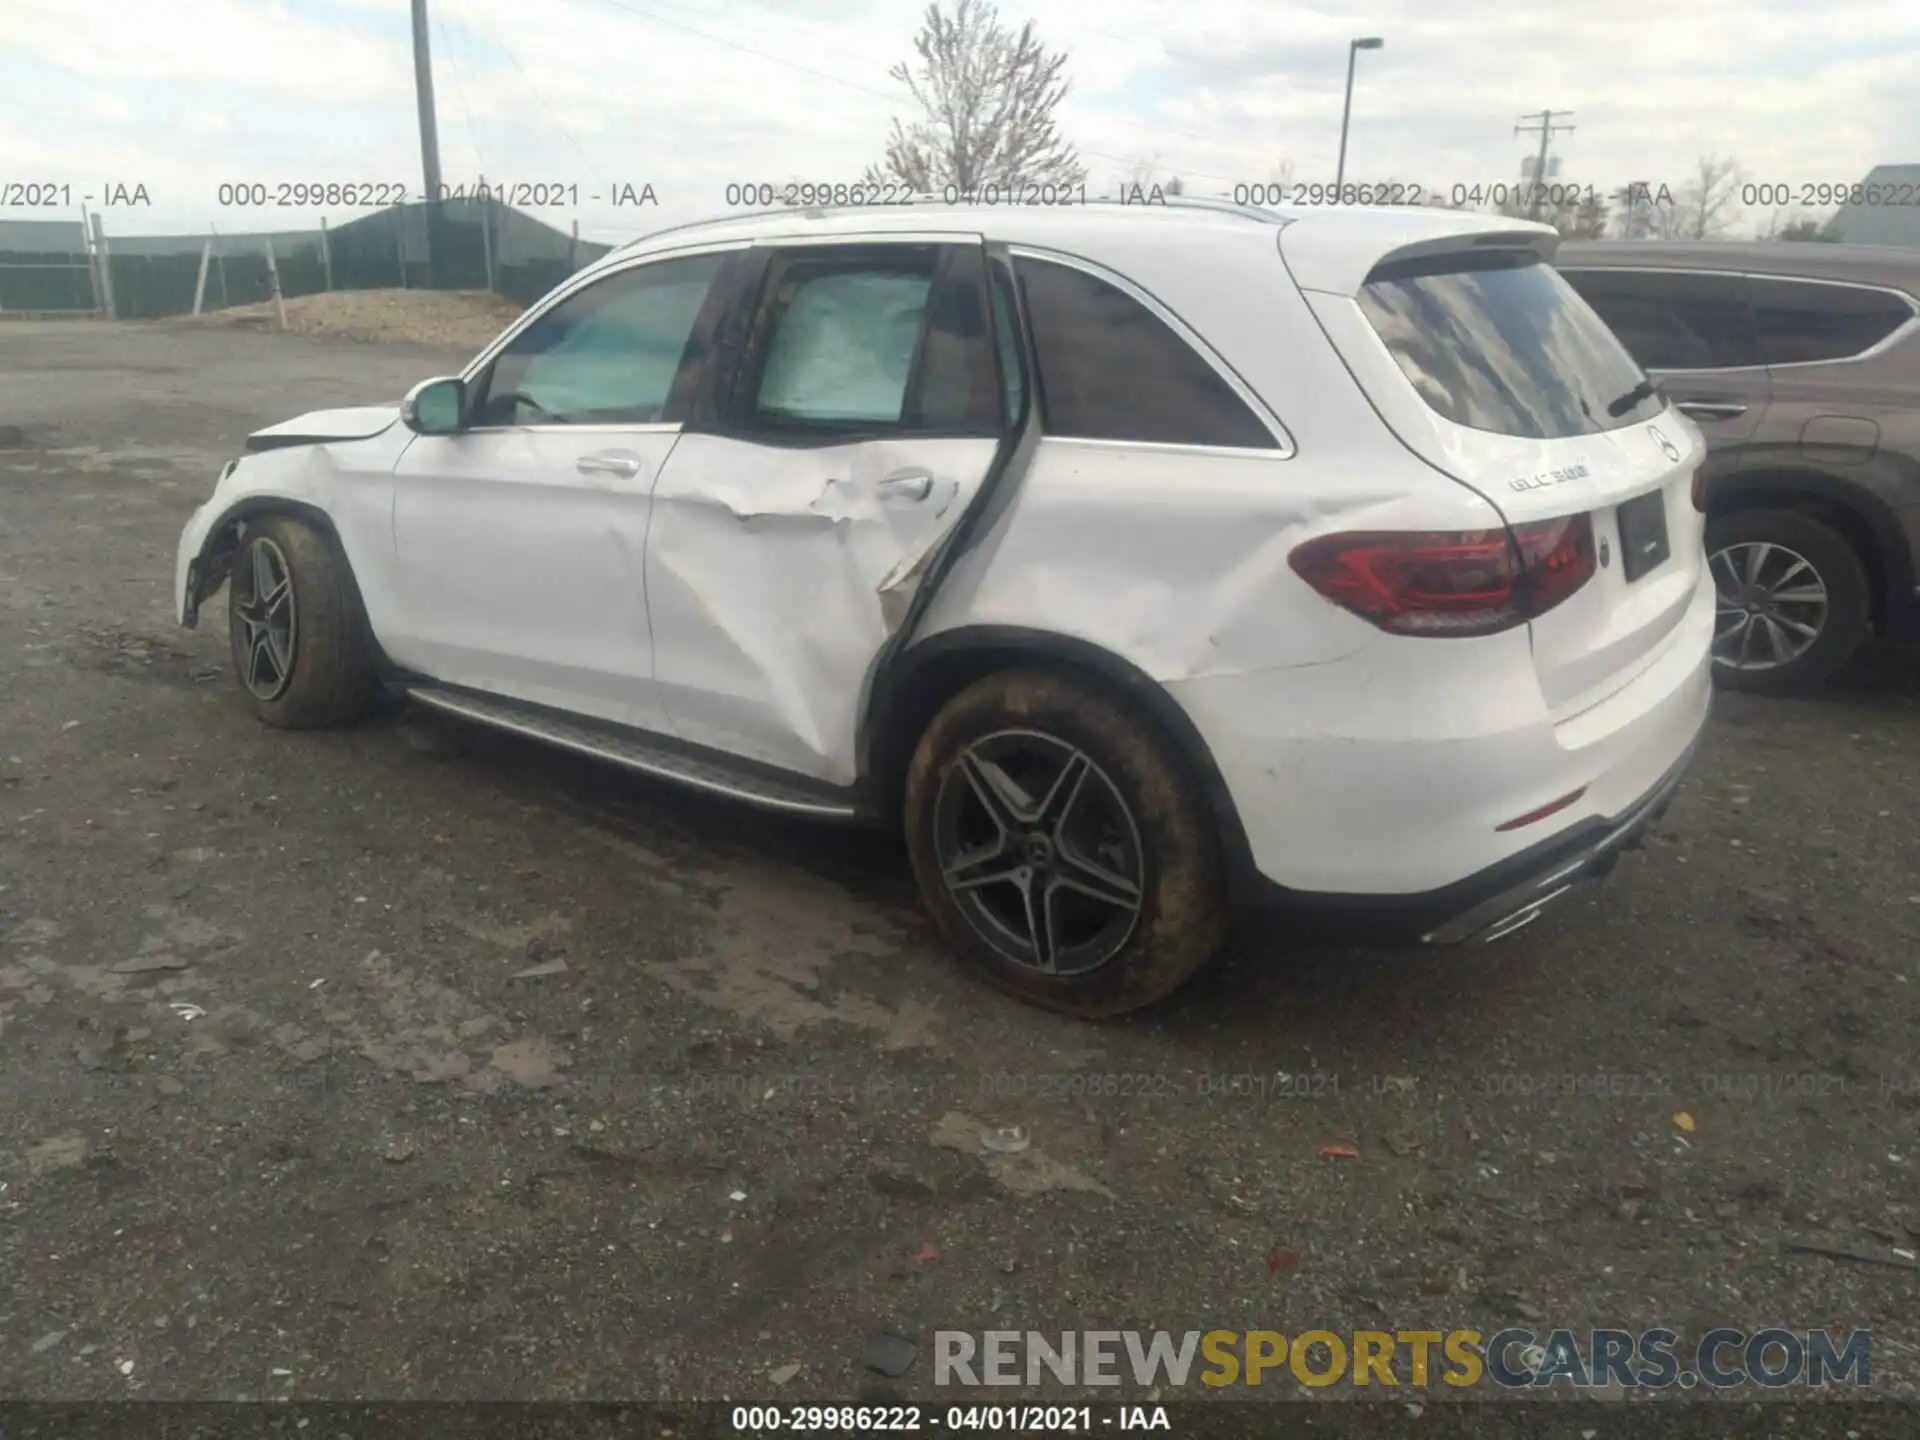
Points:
(511, 1076)
(461, 320)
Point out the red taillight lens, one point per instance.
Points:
(1474, 582)
(1557, 556)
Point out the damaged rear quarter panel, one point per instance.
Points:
(1176, 560)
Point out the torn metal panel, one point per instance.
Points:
(358, 422)
(774, 576)
(336, 462)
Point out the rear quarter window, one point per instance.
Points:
(1110, 369)
(1501, 343)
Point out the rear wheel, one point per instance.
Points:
(1060, 846)
(1793, 603)
(298, 646)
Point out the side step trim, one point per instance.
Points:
(633, 754)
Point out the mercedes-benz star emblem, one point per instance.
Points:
(1671, 450)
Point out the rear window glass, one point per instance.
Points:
(1502, 343)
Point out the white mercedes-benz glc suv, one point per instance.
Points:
(1137, 561)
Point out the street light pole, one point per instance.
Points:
(1354, 47)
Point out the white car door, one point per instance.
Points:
(787, 534)
(520, 541)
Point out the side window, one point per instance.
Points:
(1110, 369)
(875, 338)
(1673, 321)
(606, 355)
(1800, 322)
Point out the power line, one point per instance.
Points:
(892, 99)
(460, 86)
(533, 90)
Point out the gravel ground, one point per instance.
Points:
(512, 1076)
(462, 320)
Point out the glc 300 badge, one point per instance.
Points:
(1550, 477)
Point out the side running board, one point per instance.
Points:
(633, 751)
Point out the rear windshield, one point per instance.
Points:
(1502, 343)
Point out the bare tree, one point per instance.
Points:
(1574, 216)
(1708, 204)
(1586, 220)
(988, 96)
(1639, 208)
(1142, 175)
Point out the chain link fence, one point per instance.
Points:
(466, 244)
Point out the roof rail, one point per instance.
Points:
(1184, 202)
(708, 223)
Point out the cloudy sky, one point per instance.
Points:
(686, 96)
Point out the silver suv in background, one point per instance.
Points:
(1801, 364)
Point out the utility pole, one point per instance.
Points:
(429, 130)
(1543, 122)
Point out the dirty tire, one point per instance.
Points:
(330, 680)
(1849, 606)
(1182, 916)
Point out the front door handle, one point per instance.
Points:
(609, 463)
(1711, 409)
(910, 485)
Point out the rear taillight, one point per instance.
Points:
(1474, 582)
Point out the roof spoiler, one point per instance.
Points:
(1542, 242)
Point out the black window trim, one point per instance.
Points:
(1284, 448)
(735, 417)
(1873, 351)
(481, 366)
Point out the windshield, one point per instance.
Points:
(1502, 343)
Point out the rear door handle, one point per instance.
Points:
(909, 485)
(609, 462)
(1711, 409)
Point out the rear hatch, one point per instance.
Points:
(1489, 366)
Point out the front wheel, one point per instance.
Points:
(1792, 601)
(1061, 847)
(299, 649)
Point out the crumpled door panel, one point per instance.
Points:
(776, 574)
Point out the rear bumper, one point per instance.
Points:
(1501, 899)
(1516, 892)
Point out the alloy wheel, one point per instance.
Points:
(267, 618)
(1039, 852)
(1771, 607)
